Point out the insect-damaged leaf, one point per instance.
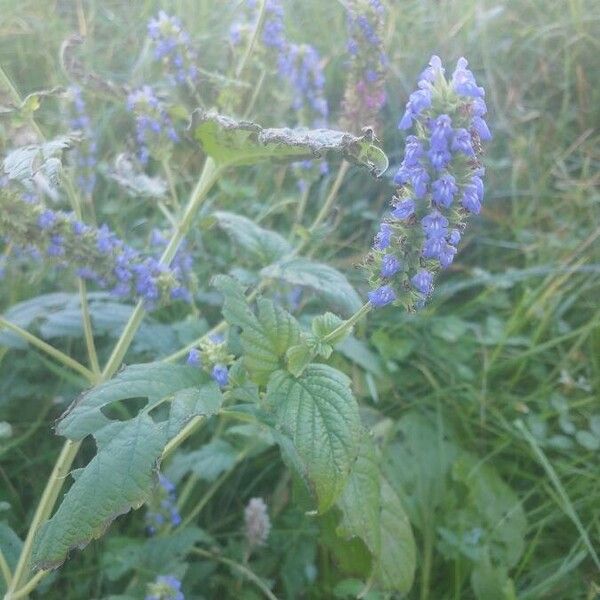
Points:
(234, 142)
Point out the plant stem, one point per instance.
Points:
(44, 508)
(247, 53)
(331, 198)
(29, 586)
(348, 323)
(87, 328)
(241, 568)
(5, 569)
(59, 356)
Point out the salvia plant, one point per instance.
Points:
(254, 364)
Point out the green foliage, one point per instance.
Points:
(319, 415)
(233, 142)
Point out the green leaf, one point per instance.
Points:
(325, 324)
(119, 477)
(154, 381)
(23, 163)
(396, 567)
(234, 142)
(298, 358)
(208, 462)
(10, 545)
(360, 501)
(319, 415)
(266, 337)
(372, 511)
(262, 244)
(326, 281)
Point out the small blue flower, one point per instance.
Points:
(441, 132)
(193, 358)
(433, 247)
(423, 282)
(390, 265)
(463, 82)
(443, 190)
(480, 126)
(446, 255)
(439, 158)
(220, 374)
(454, 237)
(383, 238)
(404, 209)
(435, 225)
(462, 142)
(382, 296)
(46, 220)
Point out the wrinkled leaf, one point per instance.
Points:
(136, 182)
(319, 415)
(207, 463)
(242, 142)
(266, 337)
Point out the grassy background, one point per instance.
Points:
(513, 334)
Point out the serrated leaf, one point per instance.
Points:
(23, 163)
(154, 381)
(262, 244)
(326, 281)
(120, 476)
(319, 415)
(266, 337)
(234, 142)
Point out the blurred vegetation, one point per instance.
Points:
(499, 374)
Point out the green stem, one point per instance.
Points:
(247, 53)
(241, 568)
(348, 323)
(59, 356)
(5, 569)
(29, 586)
(44, 508)
(331, 198)
(171, 181)
(87, 328)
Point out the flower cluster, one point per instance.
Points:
(166, 587)
(257, 522)
(172, 46)
(213, 357)
(97, 254)
(155, 130)
(182, 265)
(86, 158)
(365, 92)
(163, 509)
(439, 184)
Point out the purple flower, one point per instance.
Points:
(194, 358)
(433, 247)
(435, 225)
(462, 142)
(390, 265)
(382, 296)
(423, 282)
(463, 82)
(454, 237)
(383, 238)
(46, 220)
(413, 151)
(446, 255)
(420, 180)
(443, 190)
(439, 158)
(480, 126)
(418, 101)
(432, 72)
(404, 209)
(441, 132)
(220, 374)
